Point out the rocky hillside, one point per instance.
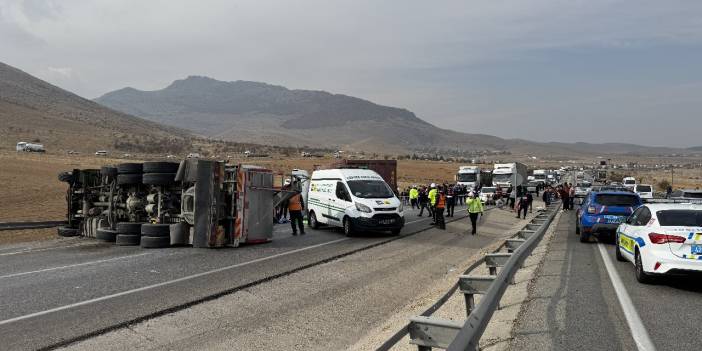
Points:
(34, 110)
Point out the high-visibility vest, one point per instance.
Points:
(432, 196)
(441, 201)
(413, 193)
(295, 203)
(474, 205)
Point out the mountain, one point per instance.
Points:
(34, 110)
(269, 114)
(261, 113)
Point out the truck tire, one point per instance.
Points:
(67, 232)
(129, 168)
(129, 179)
(128, 239)
(130, 228)
(106, 235)
(66, 177)
(109, 172)
(158, 178)
(150, 242)
(160, 167)
(156, 230)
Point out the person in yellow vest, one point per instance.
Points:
(439, 209)
(295, 207)
(413, 196)
(475, 208)
(432, 201)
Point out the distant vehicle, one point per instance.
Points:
(540, 176)
(505, 174)
(101, 153)
(601, 213)
(127, 155)
(661, 239)
(355, 200)
(194, 155)
(306, 154)
(29, 147)
(469, 176)
(601, 176)
(614, 188)
(171, 156)
(486, 195)
(629, 182)
(644, 190)
(686, 194)
(72, 152)
(582, 188)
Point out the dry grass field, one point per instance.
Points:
(30, 190)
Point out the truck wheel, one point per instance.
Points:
(312, 221)
(150, 242)
(348, 227)
(106, 235)
(129, 228)
(109, 172)
(158, 178)
(129, 179)
(128, 239)
(156, 230)
(160, 167)
(129, 168)
(67, 232)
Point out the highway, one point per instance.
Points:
(55, 295)
(583, 298)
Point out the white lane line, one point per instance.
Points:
(72, 265)
(638, 331)
(182, 279)
(29, 250)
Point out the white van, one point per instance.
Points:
(645, 191)
(629, 182)
(355, 199)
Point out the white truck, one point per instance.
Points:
(540, 176)
(509, 174)
(468, 176)
(30, 147)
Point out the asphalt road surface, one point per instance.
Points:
(55, 294)
(583, 298)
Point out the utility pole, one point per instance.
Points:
(672, 177)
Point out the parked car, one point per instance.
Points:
(486, 195)
(629, 182)
(645, 191)
(686, 194)
(602, 212)
(582, 188)
(661, 239)
(101, 153)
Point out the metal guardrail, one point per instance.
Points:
(427, 332)
(30, 225)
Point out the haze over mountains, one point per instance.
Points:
(262, 113)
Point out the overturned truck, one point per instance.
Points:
(195, 202)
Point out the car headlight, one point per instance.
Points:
(363, 208)
(402, 207)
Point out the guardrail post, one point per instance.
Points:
(426, 332)
(513, 244)
(471, 285)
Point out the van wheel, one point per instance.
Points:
(348, 227)
(312, 220)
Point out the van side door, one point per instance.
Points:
(340, 202)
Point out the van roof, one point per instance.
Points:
(344, 173)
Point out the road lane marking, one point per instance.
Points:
(72, 265)
(30, 250)
(638, 331)
(169, 282)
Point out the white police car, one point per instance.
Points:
(662, 239)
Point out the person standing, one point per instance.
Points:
(522, 206)
(450, 200)
(423, 199)
(530, 201)
(564, 192)
(571, 197)
(295, 207)
(547, 196)
(413, 195)
(432, 202)
(512, 197)
(475, 209)
(439, 209)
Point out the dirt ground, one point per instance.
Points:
(30, 190)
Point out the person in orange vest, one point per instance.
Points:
(295, 207)
(439, 208)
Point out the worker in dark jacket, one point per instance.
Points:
(295, 207)
(423, 200)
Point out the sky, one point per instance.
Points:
(543, 70)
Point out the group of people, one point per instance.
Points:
(566, 192)
(437, 198)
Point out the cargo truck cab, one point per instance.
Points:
(357, 200)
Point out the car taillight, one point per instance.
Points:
(664, 238)
(591, 209)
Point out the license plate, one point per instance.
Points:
(613, 219)
(697, 249)
(387, 221)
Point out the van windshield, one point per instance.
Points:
(370, 189)
(467, 177)
(643, 188)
